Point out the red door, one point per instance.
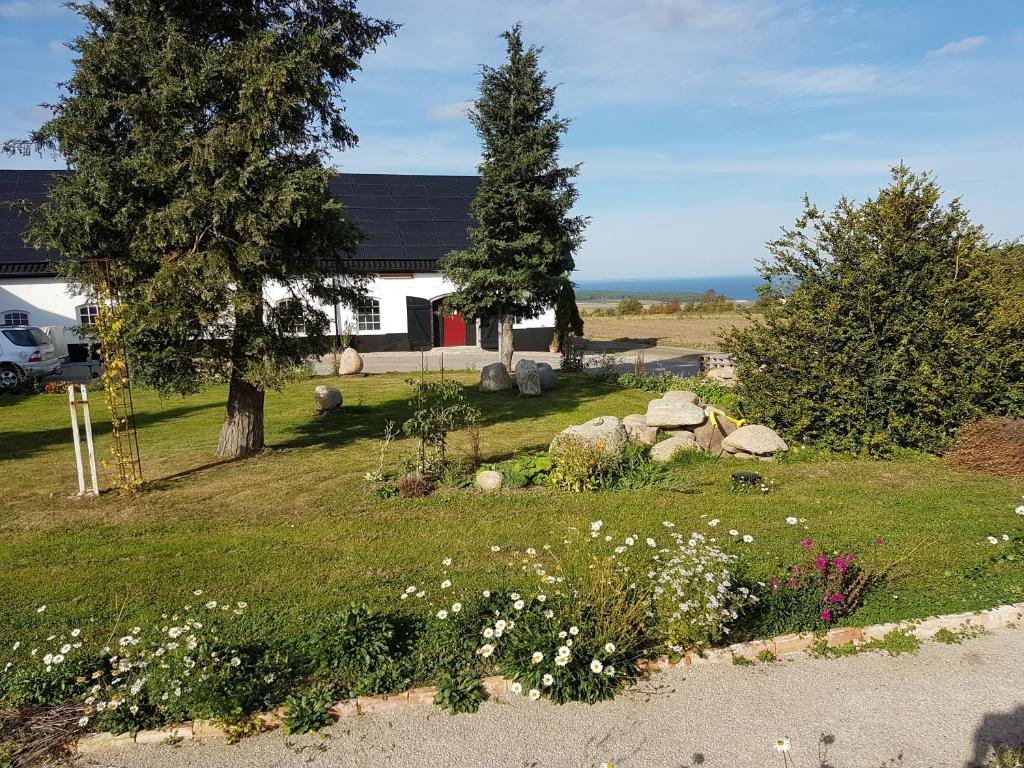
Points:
(453, 332)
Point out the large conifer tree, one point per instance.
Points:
(522, 249)
(199, 131)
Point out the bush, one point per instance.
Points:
(709, 390)
(439, 407)
(580, 466)
(459, 694)
(355, 652)
(629, 306)
(991, 445)
(893, 332)
(308, 711)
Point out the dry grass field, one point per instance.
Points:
(697, 332)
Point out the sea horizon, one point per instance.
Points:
(732, 286)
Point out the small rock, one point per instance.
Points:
(666, 449)
(638, 431)
(754, 439)
(674, 413)
(548, 379)
(494, 378)
(326, 398)
(725, 375)
(350, 363)
(528, 378)
(489, 480)
(683, 395)
(605, 431)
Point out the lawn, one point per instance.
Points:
(699, 332)
(295, 532)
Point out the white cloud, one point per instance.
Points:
(456, 111)
(960, 46)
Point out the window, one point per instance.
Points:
(368, 315)
(27, 337)
(290, 316)
(15, 317)
(87, 314)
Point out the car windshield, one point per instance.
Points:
(27, 337)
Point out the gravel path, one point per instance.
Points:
(942, 708)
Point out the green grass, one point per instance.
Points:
(295, 532)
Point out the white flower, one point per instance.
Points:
(212, 604)
(445, 584)
(174, 632)
(531, 551)
(518, 605)
(410, 589)
(534, 694)
(40, 609)
(547, 679)
(733, 532)
(486, 593)
(541, 598)
(596, 666)
(486, 650)
(500, 624)
(747, 538)
(442, 614)
(782, 745)
(456, 607)
(596, 525)
(714, 522)
(446, 561)
(1006, 537)
(488, 632)
(609, 647)
(668, 524)
(792, 520)
(83, 721)
(16, 646)
(630, 541)
(563, 650)
(619, 550)
(993, 540)
(495, 548)
(562, 660)
(537, 657)
(651, 542)
(235, 661)
(609, 671)
(1020, 510)
(76, 632)
(197, 592)
(574, 630)
(549, 614)
(66, 648)
(516, 688)
(421, 594)
(58, 658)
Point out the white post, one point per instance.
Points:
(88, 440)
(74, 434)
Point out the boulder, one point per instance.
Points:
(638, 431)
(494, 378)
(326, 398)
(674, 413)
(606, 432)
(683, 395)
(528, 377)
(712, 432)
(754, 440)
(350, 363)
(548, 379)
(489, 480)
(666, 449)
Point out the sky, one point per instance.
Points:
(700, 124)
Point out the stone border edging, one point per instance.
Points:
(783, 645)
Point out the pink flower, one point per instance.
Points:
(791, 582)
(775, 584)
(795, 571)
(826, 615)
(879, 541)
(807, 543)
(821, 562)
(836, 598)
(841, 563)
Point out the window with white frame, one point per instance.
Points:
(15, 317)
(290, 315)
(87, 314)
(368, 314)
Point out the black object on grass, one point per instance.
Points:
(746, 478)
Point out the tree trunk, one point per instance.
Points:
(505, 342)
(242, 432)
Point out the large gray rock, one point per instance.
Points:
(548, 379)
(489, 481)
(638, 431)
(754, 439)
(326, 398)
(674, 413)
(528, 377)
(351, 362)
(684, 395)
(494, 378)
(604, 432)
(666, 449)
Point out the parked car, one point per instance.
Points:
(26, 350)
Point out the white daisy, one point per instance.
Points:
(534, 694)
(782, 745)
(516, 688)
(733, 532)
(456, 607)
(486, 650)
(547, 679)
(713, 523)
(609, 647)
(518, 605)
(792, 520)
(747, 538)
(442, 614)
(596, 666)
(537, 657)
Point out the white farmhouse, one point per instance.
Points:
(411, 223)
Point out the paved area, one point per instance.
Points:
(941, 708)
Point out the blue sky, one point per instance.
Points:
(699, 123)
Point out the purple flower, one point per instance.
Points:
(836, 598)
(826, 615)
(821, 562)
(840, 563)
(807, 543)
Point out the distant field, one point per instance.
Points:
(700, 332)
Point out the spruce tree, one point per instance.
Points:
(198, 131)
(521, 251)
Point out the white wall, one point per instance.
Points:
(47, 301)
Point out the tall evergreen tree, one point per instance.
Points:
(521, 251)
(199, 131)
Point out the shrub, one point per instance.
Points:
(354, 652)
(709, 390)
(535, 467)
(581, 466)
(892, 332)
(459, 694)
(994, 445)
(308, 711)
(630, 306)
(439, 407)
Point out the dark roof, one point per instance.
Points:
(410, 221)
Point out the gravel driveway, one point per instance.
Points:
(942, 708)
